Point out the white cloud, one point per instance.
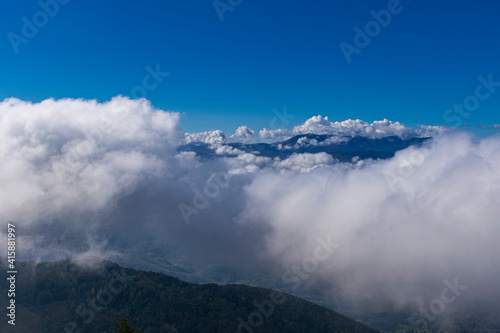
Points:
(352, 128)
(403, 224)
(439, 221)
(304, 162)
(209, 137)
(243, 133)
(304, 142)
(217, 137)
(275, 134)
(73, 155)
(227, 150)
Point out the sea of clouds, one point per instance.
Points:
(112, 169)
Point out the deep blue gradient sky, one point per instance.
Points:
(263, 55)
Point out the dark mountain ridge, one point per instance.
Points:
(342, 148)
(65, 297)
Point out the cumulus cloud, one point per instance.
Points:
(109, 171)
(71, 155)
(275, 134)
(305, 141)
(304, 162)
(217, 137)
(227, 150)
(209, 137)
(352, 128)
(340, 131)
(243, 133)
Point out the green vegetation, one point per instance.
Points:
(56, 296)
(124, 327)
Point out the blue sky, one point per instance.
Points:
(263, 55)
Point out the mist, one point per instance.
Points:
(80, 176)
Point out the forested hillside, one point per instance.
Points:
(52, 297)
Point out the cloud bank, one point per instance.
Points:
(74, 155)
(352, 128)
(217, 137)
(111, 171)
(321, 125)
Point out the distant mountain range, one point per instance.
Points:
(342, 148)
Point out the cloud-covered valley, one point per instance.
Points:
(112, 170)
